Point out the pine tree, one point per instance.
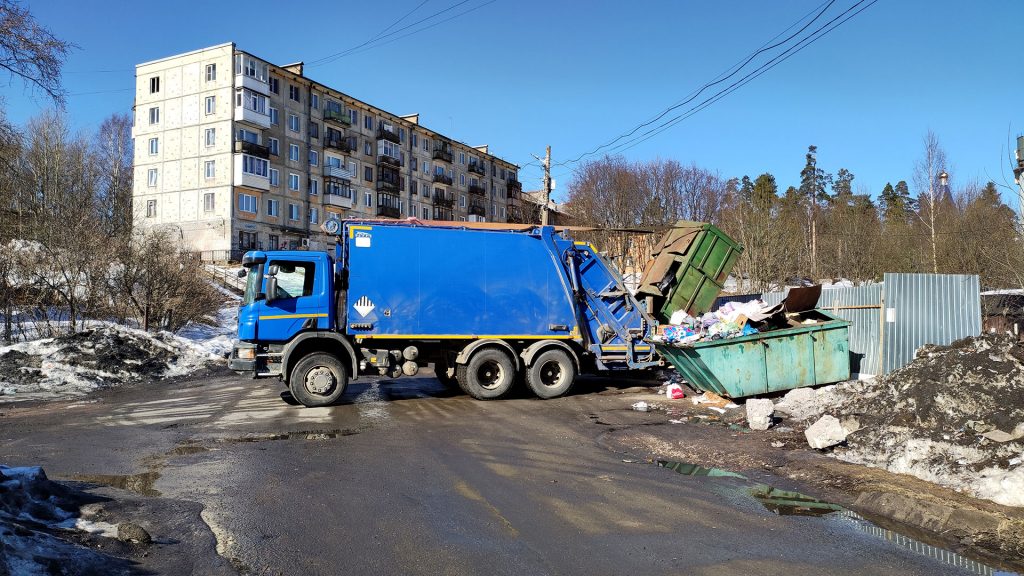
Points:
(813, 184)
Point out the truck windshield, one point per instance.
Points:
(253, 283)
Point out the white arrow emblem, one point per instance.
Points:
(363, 306)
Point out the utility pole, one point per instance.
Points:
(1018, 176)
(547, 188)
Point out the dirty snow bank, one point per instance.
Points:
(954, 416)
(34, 514)
(107, 355)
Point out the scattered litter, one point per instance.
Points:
(713, 400)
(826, 432)
(627, 461)
(777, 444)
(674, 392)
(759, 413)
(675, 421)
(717, 409)
(1000, 436)
(642, 406)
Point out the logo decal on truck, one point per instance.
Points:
(362, 239)
(363, 306)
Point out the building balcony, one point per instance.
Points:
(338, 117)
(514, 185)
(477, 168)
(388, 205)
(443, 155)
(385, 160)
(442, 213)
(443, 179)
(391, 186)
(252, 117)
(252, 149)
(477, 209)
(248, 179)
(252, 83)
(338, 172)
(477, 190)
(388, 135)
(444, 199)
(516, 215)
(340, 143)
(339, 200)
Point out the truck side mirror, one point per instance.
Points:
(243, 272)
(272, 283)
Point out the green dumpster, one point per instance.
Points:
(688, 270)
(803, 355)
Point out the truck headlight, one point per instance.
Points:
(245, 353)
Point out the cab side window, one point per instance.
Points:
(294, 279)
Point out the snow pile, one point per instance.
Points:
(98, 357)
(954, 416)
(33, 513)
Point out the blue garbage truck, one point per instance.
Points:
(486, 307)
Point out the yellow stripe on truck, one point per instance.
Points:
(288, 316)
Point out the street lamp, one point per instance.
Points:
(943, 179)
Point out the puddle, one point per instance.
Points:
(138, 483)
(304, 435)
(786, 503)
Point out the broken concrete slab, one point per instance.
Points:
(827, 431)
(759, 413)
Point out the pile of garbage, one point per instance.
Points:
(953, 416)
(731, 320)
(97, 357)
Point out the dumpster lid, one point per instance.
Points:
(802, 299)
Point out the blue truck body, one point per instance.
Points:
(483, 306)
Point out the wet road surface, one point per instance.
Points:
(406, 477)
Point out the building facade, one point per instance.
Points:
(235, 153)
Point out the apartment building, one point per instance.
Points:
(236, 153)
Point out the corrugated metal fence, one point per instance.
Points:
(918, 309)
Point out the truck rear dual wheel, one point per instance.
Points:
(318, 379)
(489, 374)
(552, 374)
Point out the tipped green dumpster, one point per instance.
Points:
(688, 273)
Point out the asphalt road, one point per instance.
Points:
(406, 477)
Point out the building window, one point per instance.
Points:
(255, 166)
(314, 186)
(368, 173)
(368, 198)
(275, 118)
(414, 142)
(426, 167)
(389, 148)
(368, 122)
(293, 93)
(211, 72)
(208, 201)
(275, 146)
(462, 179)
(314, 216)
(293, 152)
(502, 208)
(154, 84)
(211, 105)
(293, 122)
(293, 211)
(245, 64)
(251, 100)
(401, 138)
(154, 115)
(314, 101)
(247, 203)
(462, 157)
(314, 130)
(353, 116)
(273, 208)
(275, 177)
(154, 146)
(275, 86)
(248, 136)
(211, 137)
(426, 213)
(426, 143)
(414, 161)
(412, 187)
(367, 149)
(314, 158)
(152, 177)
(462, 201)
(211, 169)
(293, 181)
(150, 208)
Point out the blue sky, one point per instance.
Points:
(522, 74)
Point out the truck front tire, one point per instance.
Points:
(552, 374)
(318, 379)
(489, 374)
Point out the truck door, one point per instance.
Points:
(300, 302)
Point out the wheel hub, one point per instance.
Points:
(319, 380)
(491, 375)
(551, 374)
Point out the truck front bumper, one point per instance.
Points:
(243, 357)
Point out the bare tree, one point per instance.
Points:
(114, 157)
(30, 51)
(926, 180)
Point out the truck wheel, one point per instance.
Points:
(489, 374)
(441, 373)
(319, 379)
(552, 374)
